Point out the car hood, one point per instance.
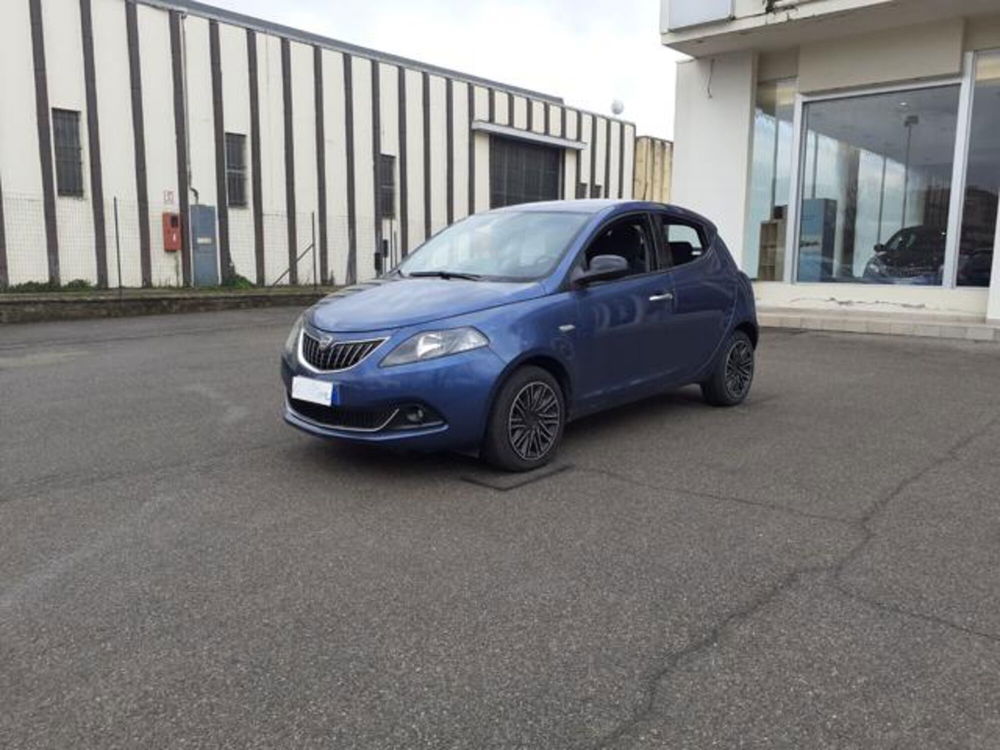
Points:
(397, 303)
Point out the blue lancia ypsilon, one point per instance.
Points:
(504, 326)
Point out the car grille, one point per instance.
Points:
(345, 419)
(337, 356)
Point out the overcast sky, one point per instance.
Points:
(589, 52)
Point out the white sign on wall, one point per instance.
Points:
(682, 14)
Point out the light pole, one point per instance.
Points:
(908, 123)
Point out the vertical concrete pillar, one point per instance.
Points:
(712, 140)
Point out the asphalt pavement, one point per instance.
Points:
(819, 567)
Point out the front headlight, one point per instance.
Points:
(434, 344)
(292, 342)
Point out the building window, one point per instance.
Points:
(770, 180)
(522, 172)
(69, 160)
(581, 190)
(982, 182)
(876, 185)
(236, 170)
(387, 186)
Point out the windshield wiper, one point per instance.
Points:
(444, 275)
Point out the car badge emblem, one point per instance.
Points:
(325, 343)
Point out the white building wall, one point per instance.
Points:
(571, 161)
(19, 157)
(304, 133)
(712, 141)
(586, 134)
(114, 111)
(555, 124)
(600, 145)
(201, 118)
(389, 140)
(236, 119)
(272, 159)
(161, 156)
(364, 168)
(334, 128)
(520, 112)
(501, 114)
(460, 127)
(481, 149)
(439, 156)
(614, 154)
(414, 158)
(74, 216)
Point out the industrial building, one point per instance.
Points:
(167, 142)
(848, 149)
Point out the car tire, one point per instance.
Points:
(526, 422)
(732, 377)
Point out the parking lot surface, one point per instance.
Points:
(817, 568)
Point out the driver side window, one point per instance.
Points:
(628, 238)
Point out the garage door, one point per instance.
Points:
(522, 172)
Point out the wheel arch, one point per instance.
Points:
(750, 329)
(546, 361)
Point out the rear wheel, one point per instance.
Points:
(730, 382)
(526, 422)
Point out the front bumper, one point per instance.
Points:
(458, 389)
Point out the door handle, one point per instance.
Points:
(661, 297)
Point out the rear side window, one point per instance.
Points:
(682, 242)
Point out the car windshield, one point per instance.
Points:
(504, 246)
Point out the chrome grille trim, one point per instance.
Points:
(342, 355)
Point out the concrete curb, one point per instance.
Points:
(31, 308)
(920, 326)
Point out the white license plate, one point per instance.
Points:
(315, 391)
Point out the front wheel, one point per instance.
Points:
(526, 422)
(730, 382)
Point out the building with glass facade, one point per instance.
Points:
(848, 149)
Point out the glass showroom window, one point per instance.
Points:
(770, 179)
(982, 182)
(876, 185)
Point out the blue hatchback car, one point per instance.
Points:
(506, 325)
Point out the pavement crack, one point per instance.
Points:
(676, 658)
(905, 612)
(863, 525)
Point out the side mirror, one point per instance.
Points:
(602, 268)
(879, 249)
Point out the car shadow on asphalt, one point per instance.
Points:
(334, 458)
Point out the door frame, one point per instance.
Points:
(966, 82)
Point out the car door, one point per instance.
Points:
(704, 293)
(617, 319)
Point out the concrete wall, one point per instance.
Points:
(195, 88)
(907, 53)
(712, 134)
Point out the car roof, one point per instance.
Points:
(594, 206)
(583, 206)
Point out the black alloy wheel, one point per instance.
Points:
(730, 381)
(526, 421)
(533, 421)
(739, 369)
